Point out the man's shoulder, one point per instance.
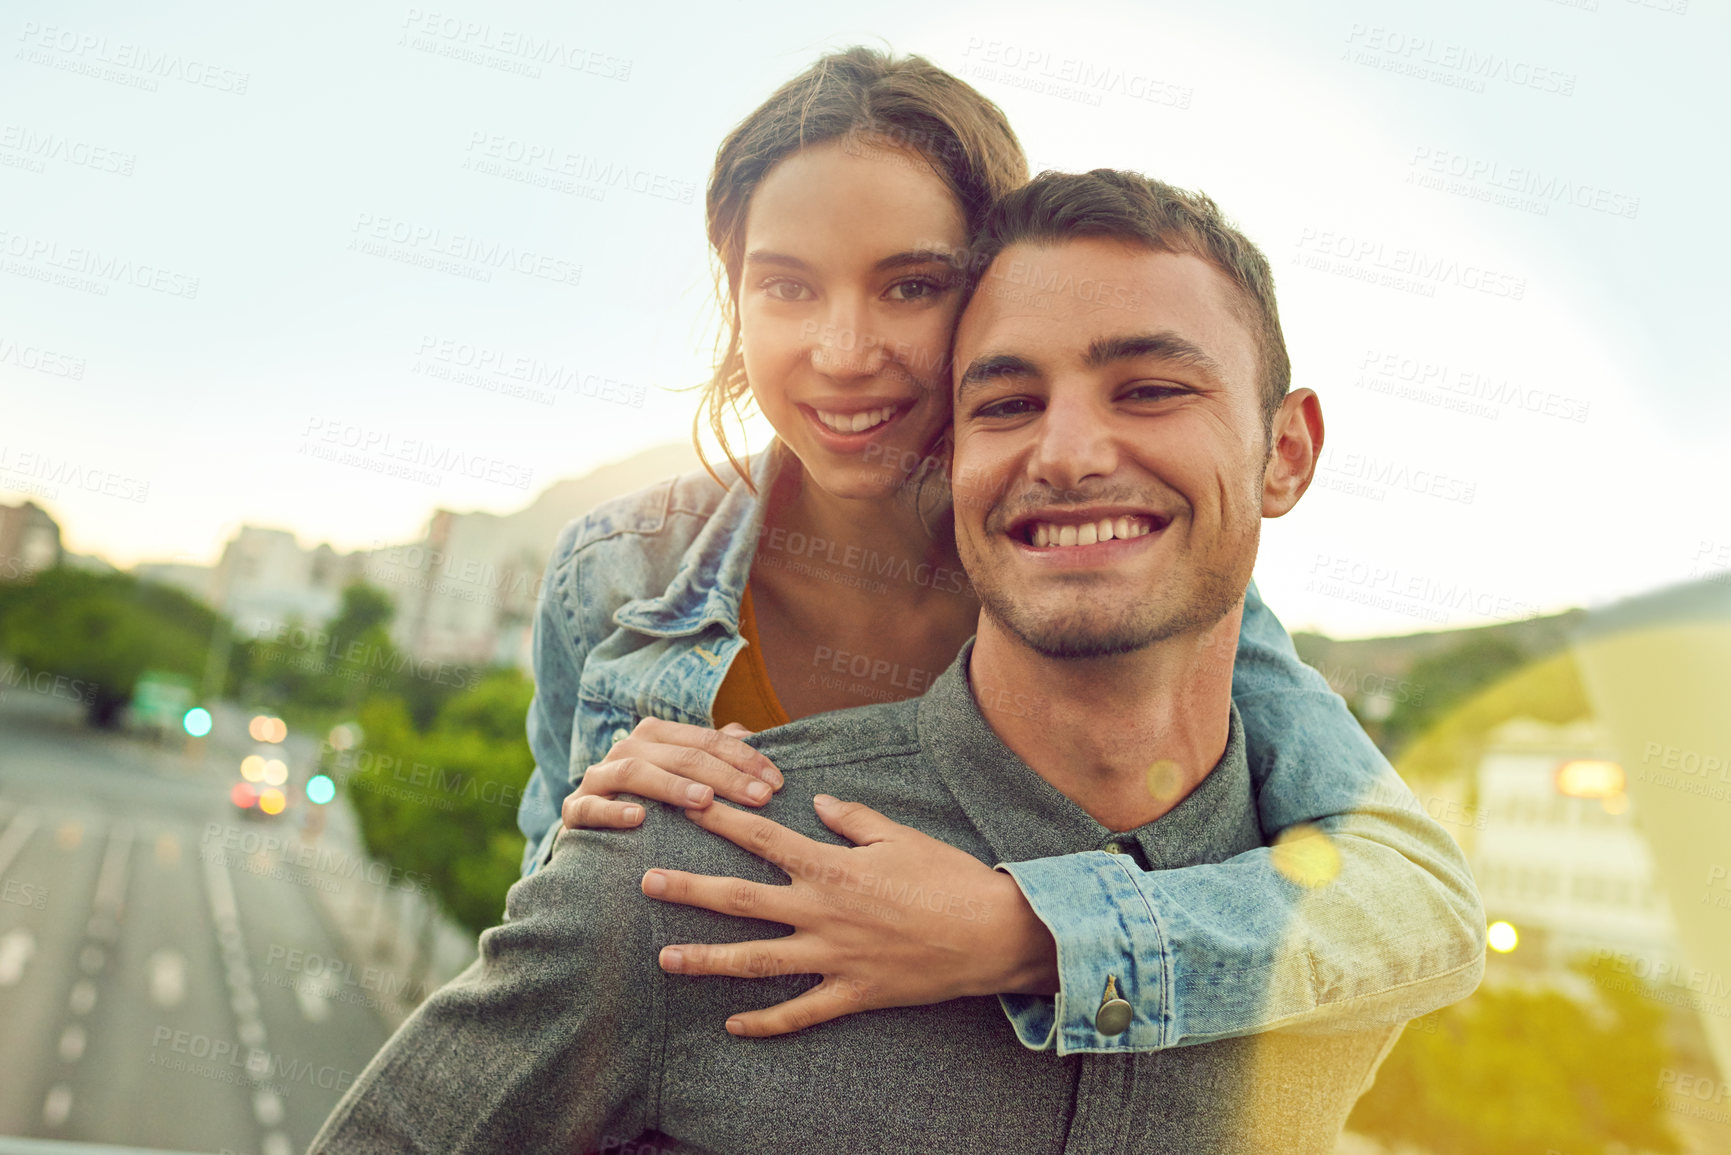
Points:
(875, 734)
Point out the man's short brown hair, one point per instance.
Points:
(1127, 206)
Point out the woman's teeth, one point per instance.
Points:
(855, 422)
(1045, 533)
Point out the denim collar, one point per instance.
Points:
(713, 572)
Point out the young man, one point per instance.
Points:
(1152, 409)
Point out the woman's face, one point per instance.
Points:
(847, 303)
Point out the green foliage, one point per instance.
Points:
(443, 802)
(1549, 690)
(105, 629)
(1514, 1070)
(331, 669)
(1446, 679)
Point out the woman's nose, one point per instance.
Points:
(844, 345)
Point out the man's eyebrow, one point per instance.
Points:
(1165, 346)
(994, 368)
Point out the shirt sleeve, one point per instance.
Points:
(546, 1043)
(556, 657)
(1381, 922)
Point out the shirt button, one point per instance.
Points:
(1114, 1015)
(620, 735)
(1114, 848)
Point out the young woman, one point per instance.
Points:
(826, 576)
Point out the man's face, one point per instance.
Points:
(1101, 388)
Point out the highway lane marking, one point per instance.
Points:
(267, 1107)
(167, 968)
(83, 997)
(70, 836)
(225, 913)
(315, 1007)
(16, 947)
(18, 832)
(58, 1105)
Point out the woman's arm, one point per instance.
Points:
(556, 657)
(666, 761)
(1377, 920)
(1381, 922)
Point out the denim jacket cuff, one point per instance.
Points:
(1104, 929)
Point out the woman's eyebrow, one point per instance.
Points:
(766, 257)
(914, 257)
(900, 260)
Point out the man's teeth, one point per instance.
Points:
(1045, 533)
(856, 422)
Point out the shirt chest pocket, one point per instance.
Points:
(601, 724)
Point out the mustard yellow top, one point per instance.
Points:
(746, 696)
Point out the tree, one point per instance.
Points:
(443, 803)
(1516, 1070)
(103, 629)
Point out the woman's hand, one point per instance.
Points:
(671, 762)
(899, 920)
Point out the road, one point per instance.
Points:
(170, 976)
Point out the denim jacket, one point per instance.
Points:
(1380, 921)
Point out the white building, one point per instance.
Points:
(1560, 854)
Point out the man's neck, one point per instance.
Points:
(1126, 737)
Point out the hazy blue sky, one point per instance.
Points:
(216, 221)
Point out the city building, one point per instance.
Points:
(29, 541)
(1558, 851)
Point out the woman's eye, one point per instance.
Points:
(787, 291)
(916, 289)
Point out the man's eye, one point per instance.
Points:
(1008, 407)
(916, 289)
(1155, 392)
(783, 290)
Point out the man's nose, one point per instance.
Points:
(1075, 442)
(844, 344)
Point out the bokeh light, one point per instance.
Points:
(1502, 937)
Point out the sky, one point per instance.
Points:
(332, 268)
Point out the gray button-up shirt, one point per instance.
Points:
(565, 1035)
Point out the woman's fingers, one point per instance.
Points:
(733, 896)
(830, 999)
(741, 960)
(637, 776)
(703, 767)
(722, 745)
(598, 813)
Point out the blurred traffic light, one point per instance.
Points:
(196, 721)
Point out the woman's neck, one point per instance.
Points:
(842, 530)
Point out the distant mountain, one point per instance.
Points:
(536, 525)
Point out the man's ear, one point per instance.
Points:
(1297, 443)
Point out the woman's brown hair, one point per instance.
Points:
(862, 94)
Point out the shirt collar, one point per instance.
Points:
(1022, 816)
(715, 567)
